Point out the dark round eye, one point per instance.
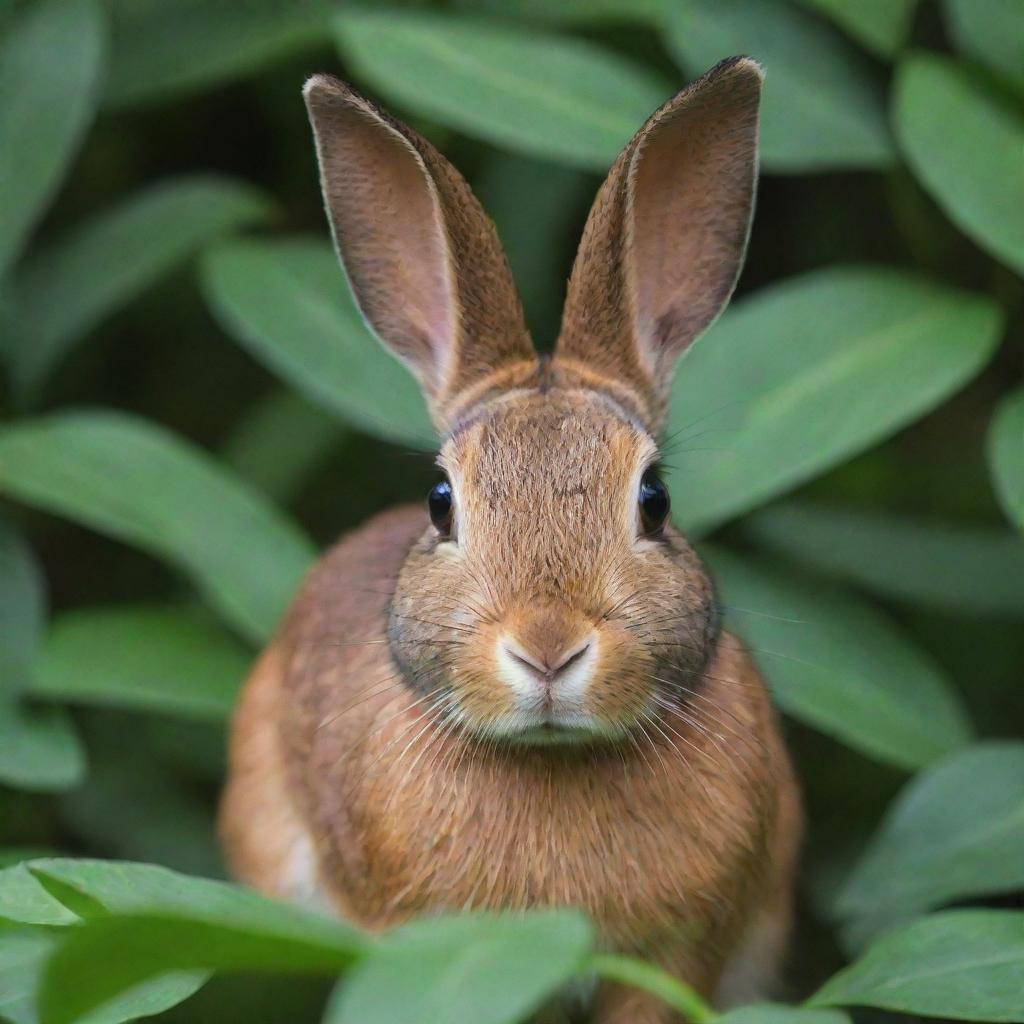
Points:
(439, 502)
(654, 502)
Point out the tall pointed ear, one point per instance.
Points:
(423, 259)
(664, 242)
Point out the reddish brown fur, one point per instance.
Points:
(390, 753)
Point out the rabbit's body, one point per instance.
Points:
(680, 847)
(527, 699)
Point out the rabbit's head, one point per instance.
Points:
(550, 600)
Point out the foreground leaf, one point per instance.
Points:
(822, 107)
(955, 832)
(959, 965)
(945, 566)
(473, 969)
(23, 955)
(141, 484)
(160, 658)
(144, 921)
(63, 290)
(546, 95)
(1006, 455)
(881, 25)
(964, 145)
(165, 50)
(991, 31)
(804, 374)
(45, 106)
(288, 303)
(835, 663)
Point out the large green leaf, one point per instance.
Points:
(280, 442)
(39, 748)
(991, 31)
(955, 832)
(65, 288)
(551, 96)
(571, 11)
(288, 304)
(1006, 455)
(143, 921)
(51, 61)
(163, 50)
(881, 25)
(474, 969)
(141, 484)
(959, 965)
(964, 144)
(804, 374)
(945, 566)
(834, 662)
(822, 106)
(160, 658)
(23, 955)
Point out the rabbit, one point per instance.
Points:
(520, 693)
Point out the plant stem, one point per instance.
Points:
(640, 974)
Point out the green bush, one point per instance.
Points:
(847, 448)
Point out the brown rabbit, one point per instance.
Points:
(521, 696)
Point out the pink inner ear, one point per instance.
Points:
(690, 195)
(388, 224)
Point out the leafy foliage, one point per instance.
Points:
(210, 400)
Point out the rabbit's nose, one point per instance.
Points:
(550, 673)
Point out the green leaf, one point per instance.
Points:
(141, 484)
(63, 290)
(801, 375)
(536, 234)
(22, 608)
(991, 31)
(835, 663)
(880, 25)
(550, 96)
(964, 145)
(288, 303)
(24, 900)
(822, 106)
(629, 970)
(39, 749)
(647, 12)
(958, 965)
(23, 956)
(773, 1013)
(165, 50)
(159, 658)
(51, 61)
(280, 443)
(981, 569)
(144, 921)
(955, 832)
(472, 969)
(1006, 455)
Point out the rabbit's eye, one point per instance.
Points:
(440, 504)
(654, 503)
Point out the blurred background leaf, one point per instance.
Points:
(1006, 455)
(47, 107)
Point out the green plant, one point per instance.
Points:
(847, 447)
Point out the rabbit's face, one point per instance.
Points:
(554, 604)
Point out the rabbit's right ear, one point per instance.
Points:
(423, 259)
(665, 239)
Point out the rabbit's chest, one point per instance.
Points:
(636, 852)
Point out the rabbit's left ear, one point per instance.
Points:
(665, 240)
(422, 257)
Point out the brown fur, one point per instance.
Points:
(537, 708)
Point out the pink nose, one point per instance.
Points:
(549, 661)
